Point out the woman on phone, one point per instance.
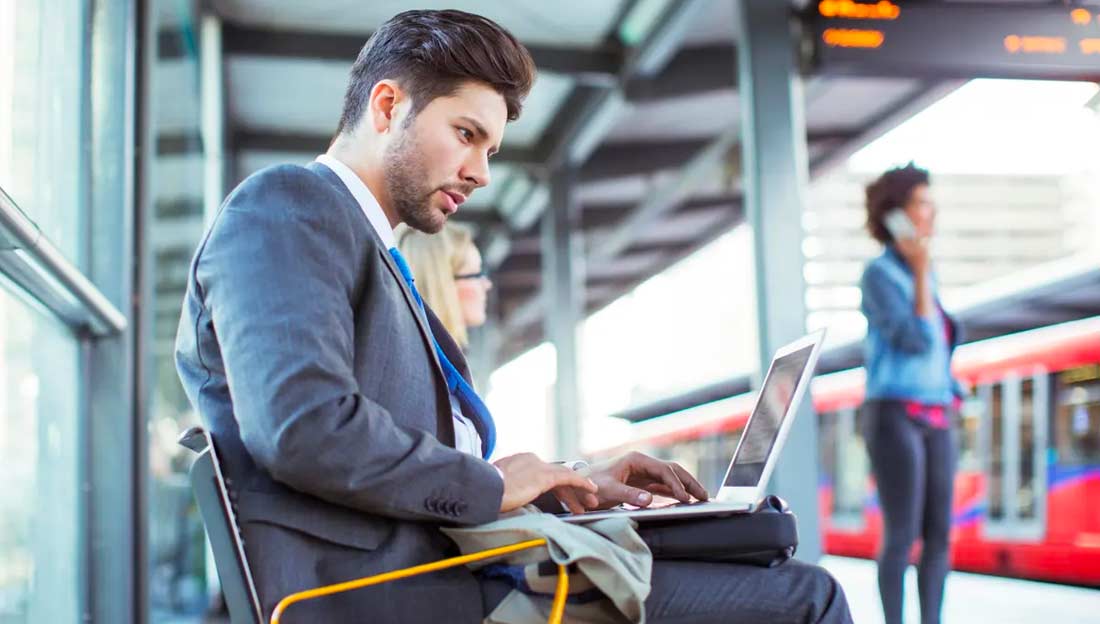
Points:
(912, 396)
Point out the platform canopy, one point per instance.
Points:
(640, 96)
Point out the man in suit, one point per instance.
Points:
(342, 410)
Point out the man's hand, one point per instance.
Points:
(634, 478)
(526, 477)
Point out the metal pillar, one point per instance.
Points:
(775, 176)
(482, 353)
(563, 300)
(212, 93)
(114, 456)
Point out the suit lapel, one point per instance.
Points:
(414, 309)
(410, 301)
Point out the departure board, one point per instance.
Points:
(955, 40)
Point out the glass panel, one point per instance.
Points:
(996, 458)
(39, 535)
(1025, 495)
(1077, 417)
(40, 115)
(41, 78)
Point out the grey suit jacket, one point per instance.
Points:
(304, 352)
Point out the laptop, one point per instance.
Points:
(754, 459)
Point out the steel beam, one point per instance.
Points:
(589, 66)
(663, 199)
(618, 160)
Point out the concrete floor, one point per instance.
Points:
(970, 598)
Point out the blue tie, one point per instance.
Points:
(468, 399)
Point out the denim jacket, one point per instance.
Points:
(907, 357)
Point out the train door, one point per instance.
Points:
(1013, 442)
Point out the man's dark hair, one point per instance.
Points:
(891, 190)
(431, 53)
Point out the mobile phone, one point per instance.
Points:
(899, 224)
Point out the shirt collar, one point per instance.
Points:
(366, 200)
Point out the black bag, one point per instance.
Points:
(767, 536)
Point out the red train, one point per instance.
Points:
(1027, 494)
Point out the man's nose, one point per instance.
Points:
(476, 170)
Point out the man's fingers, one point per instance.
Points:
(660, 489)
(692, 484)
(578, 501)
(568, 497)
(562, 476)
(664, 473)
(622, 493)
(672, 480)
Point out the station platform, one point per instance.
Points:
(969, 598)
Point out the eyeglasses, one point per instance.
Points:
(482, 274)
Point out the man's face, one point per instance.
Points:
(437, 159)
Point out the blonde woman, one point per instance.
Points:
(449, 275)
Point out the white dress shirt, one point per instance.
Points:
(467, 439)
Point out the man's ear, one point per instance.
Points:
(383, 105)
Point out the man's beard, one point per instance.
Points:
(405, 182)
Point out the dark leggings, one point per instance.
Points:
(914, 467)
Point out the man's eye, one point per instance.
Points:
(466, 134)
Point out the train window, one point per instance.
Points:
(1077, 419)
(970, 416)
(996, 468)
(1025, 493)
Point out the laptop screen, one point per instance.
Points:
(763, 428)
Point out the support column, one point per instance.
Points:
(775, 177)
(482, 352)
(212, 127)
(212, 110)
(563, 301)
(115, 463)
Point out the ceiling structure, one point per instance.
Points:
(640, 95)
